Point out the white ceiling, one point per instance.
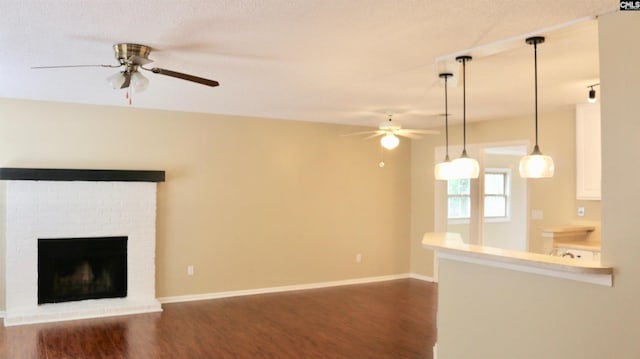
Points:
(335, 61)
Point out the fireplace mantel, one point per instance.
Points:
(59, 174)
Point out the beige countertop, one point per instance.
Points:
(451, 243)
(572, 237)
(570, 229)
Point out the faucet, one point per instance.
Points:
(568, 254)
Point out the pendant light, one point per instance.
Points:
(444, 169)
(464, 166)
(536, 165)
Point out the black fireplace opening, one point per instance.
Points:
(71, 269)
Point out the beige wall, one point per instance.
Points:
(493, 313)
(251, 203)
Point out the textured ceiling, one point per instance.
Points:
(315, 60)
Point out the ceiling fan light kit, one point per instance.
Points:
(389, 141)
(536, 165)
(389, 129)
(132, 57)
(137, 81)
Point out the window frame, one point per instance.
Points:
(459, 220)
(506, 172)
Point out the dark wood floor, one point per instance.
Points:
(394, 319)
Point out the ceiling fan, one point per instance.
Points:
(133, 57)
(389, 130)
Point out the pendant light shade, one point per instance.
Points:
(536, 165)
(444, 169)
(465, 166)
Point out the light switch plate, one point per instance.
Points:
(536, 215)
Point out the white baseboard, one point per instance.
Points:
(421, 277)
(236, 293)
(287, 288)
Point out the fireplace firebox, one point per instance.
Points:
(72, 269)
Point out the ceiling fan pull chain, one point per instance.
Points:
(127, 96)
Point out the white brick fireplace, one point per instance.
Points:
(108, 204)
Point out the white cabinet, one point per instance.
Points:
(588, 151)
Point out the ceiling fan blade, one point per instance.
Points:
(374, 135)
(127, 80)
(182, 76)
(421, 132)
(360, 133)
(71, 66)
(409, 135)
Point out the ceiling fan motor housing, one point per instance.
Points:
(126, 54)
(390, 126)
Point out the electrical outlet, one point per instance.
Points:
(190, 269)
(358, 257)
(580, 211)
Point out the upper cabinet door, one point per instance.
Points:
(588, 152)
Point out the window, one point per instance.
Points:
(496, 196)
(459, 197)
(496, 200)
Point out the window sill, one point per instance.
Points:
(455, 221)
(449, 246)
(497, 219)
(486, 220)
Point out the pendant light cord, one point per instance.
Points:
(464, 107)
(535, 64)
(446, 118)
(535, 40)
(464, 60)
